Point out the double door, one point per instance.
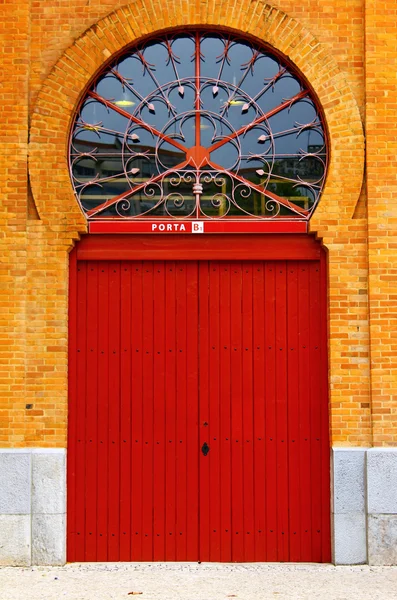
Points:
(198, 417)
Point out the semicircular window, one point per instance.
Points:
(198, 125)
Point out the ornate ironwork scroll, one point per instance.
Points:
(198, 125)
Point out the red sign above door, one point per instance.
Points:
(201, 226)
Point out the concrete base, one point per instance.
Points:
(32, 506)
(364, 506)
(15, 546)
(382, 539)
(350, 539)
(382, 506)
(349, 506)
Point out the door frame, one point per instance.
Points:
(204, 247)
(175, 246)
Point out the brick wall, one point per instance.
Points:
(381, 108)
(14, 88)
(51, 52)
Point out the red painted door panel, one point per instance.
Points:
(198, 422)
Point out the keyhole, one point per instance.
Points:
(205, 449)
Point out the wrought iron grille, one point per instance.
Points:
(198, 125)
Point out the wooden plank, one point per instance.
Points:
(315, 408)
(293, 412)
(260, 478)
(136, 409)
(103, 410)
(282, 412)
(81, 408)
(213, 428)
(181, 416)
(325, 434)
(170, 401)
(224, 307)
(236, 410)
(248, 411)
(159, 414)
(91, 414)
(72, 416)
(192, 442)
(305, 400)
(114, 413)
(125, 411)
(147, 412)
(270, 412)
(204, 416)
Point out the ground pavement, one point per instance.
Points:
(192, 581)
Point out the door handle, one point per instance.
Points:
(205, 448)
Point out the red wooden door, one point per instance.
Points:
(264, 486)
(198, 423)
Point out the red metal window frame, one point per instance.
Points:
(197, 156)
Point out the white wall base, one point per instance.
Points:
(348, 506)
(32, 506)
(364, 506)
(382, 506)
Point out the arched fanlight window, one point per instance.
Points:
(198, 125)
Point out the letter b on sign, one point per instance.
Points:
(197, 227)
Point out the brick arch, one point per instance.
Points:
(63, 88)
